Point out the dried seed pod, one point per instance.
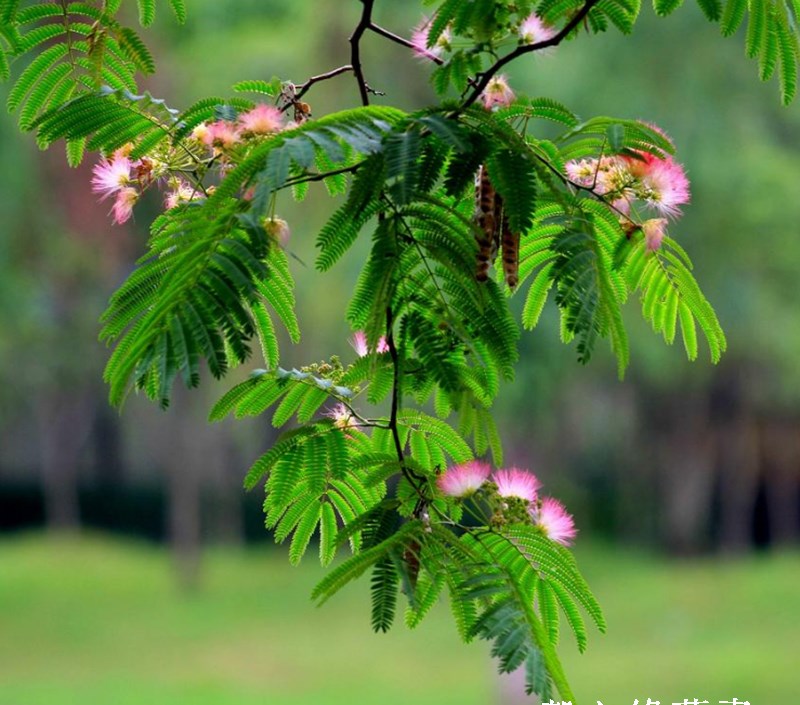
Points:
(510, 255)
(411, 559)
(485, 196)
(499, 224)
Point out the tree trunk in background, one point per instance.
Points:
(686, 469)
(184, 514)
(64, 418)
(780, 454)
(226, 508)
(183, 450)
(738, 468)
(109, 467)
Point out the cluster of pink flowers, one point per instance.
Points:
(498, 93)
(464, 480)
(359, 343)
(124, 179)
(532, 30)
(659, 183)
(222, 135)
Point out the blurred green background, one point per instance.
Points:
(133, 568)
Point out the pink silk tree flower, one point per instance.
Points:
(110, 176)
(552, 518)
(278, 230)
(665, 186)
(359, 343)
(123, 205)
(261, 120)
(517, 483)
(221, 134)
(654, 231)
(342, 417)
(181, 193)
(464, 479)
(419, 41)
(533, 30)
(497, 93)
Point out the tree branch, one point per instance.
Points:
(408, 473)
(483, 79)
(305, 178)
(355, 49)
(397, 39)
(303, 88)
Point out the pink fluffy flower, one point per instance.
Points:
(533, 30)
(609, 175)
(181, 193)
(582, 171)
(261, 120)
(278, 230)
(359, 343)
(665, 185)
(497, 93)
(124, 203)
(110, 176)
(463, 480)
(419, 40)
(517, 483)
(221, 134)
(553, 519)
(342, 417)
(654, 231)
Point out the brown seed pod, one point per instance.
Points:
(485, 212)
(510, 255)
(411, 559)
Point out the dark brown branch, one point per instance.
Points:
(408, 473)
(355, 49)
(397, 39)
(483, 79)
(303, 88)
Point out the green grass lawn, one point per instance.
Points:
(100, 622)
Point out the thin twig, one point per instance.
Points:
(305, 178)
(408, 473)
(303, 88)
(397, 39)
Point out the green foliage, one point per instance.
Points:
(670, 293)
(72, 49)
(193, 296)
